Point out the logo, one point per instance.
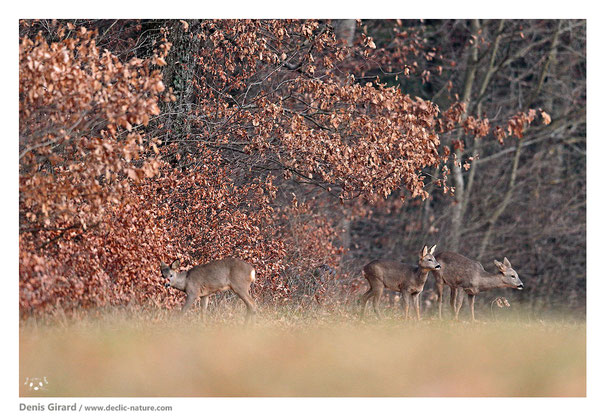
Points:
(36, 384)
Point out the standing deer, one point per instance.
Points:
(406, 279)
(460, 272)
(216, 276)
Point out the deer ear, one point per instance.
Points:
(176, 264)
(164, 269)
(433, 249)
(499, 265)
(424, 251)
(506, 262)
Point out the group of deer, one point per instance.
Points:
(461, 274)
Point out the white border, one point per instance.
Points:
(314, 8)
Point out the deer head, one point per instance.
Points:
(510, 277)
(427, 260)
(175, 278)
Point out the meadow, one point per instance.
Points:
(307, 148)
(301, 352)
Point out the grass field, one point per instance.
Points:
(313, 353)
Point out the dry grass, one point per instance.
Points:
(300, 353)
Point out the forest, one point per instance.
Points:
(332, 158)
(307, 148)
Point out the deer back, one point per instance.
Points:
(221, 275)
(457, 269)
(391, 273)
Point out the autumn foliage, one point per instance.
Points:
(79, 152)
(211, 140)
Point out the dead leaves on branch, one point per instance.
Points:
(81, 151)
(519, 122)
(358, 140)
(100, 204)
(478, 128)
(365, 140)
(78, 111)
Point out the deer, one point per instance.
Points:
(406, 279)
(216, 276)
(459, 272)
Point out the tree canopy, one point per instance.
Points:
(294, 144)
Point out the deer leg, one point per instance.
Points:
(376, 299)
(364, 301)
(242, 291)
(417, 306)
(189, 301)
(405, 303)
(204, 305)
(472, 299)
(458, 303)
(440, 289)
(453, 298)
(251, 309)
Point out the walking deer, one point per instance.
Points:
(406, 279)
(459, 272)
(216, 276)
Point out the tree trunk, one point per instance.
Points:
(457, 170)
(179, 74)
(516, 159)
(475, 152)
(345, 229)
(345, 30)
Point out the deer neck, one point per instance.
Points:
(421, 275)
(488, 281)
(179, 281)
